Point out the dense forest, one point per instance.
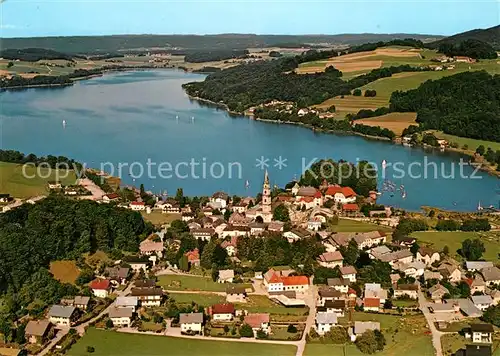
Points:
(314, 121)
(46, 80)
(409, 42)
(34, 54)
(251, 84)
(12, 156)
(465, 104)
(212, 56)
(55, 228)
(470, 48)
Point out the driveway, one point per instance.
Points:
(310, 299)
(436, 334)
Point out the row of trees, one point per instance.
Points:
(465, 225)
(17, 157)
(215, 55)
(471, 48)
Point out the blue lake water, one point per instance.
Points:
(131, 117)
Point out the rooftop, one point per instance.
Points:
(326, 318)
(61, 311)
(191, 318)
(255, 320)
(37, 327)
(115, 312)
(226, 308)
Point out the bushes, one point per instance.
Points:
(475, 225)
(447, 225)
(370, 342)
(370, 93)
(356, 92)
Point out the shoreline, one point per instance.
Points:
(482, 167)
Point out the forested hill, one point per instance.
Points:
(59, 228)
(465, 104)
(105, 44)
(490, 35)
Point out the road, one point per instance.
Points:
(81, 328)
(436, 334)
(310, 300)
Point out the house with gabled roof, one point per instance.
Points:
(325, 321)
(258, 321)
(427, 255)
(331, 259)
(62, 315)
(222, 312)
(349, 273)
(491, 275)
(191, 323)
(37, 331)
(342, 195)
(100, 287)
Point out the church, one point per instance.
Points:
(264, 209)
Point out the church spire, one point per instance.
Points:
(266, 178)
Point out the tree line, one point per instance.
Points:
(12, 156)
(471, 48)
(215, 55)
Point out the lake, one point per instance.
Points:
(133, 118)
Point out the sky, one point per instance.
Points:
(31, 18)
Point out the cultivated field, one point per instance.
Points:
(395, 121)
(453, 239)
(18, 185)
(65, 271)
(111, 343)
(200, 299)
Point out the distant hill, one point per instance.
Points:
(106, 44)
(33, 54)
(490, 35)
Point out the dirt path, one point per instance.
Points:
(436, 335)
(311, 303)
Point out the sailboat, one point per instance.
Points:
(64, 123)
(384, 164)
(479, 207)
(247, 184)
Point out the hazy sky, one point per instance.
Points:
(25, 18)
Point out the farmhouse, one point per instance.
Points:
(480, 333)
(226, 276)
(482, 302)
(118, 274)
(437, 292)
(100, 288)
(335, 306)
(478, 285)
(222, 312)
(121, 317)
(62, 315)
(325, 321)
(137, 206)
(342, 195)
(331, 259)
(475, 266)
(361, 326)
(149, 247)
(371, 304)
(349, 273)
(219, 199)
(427, 256)
(230, 246)
(328, 295)
(451, 272)
(374, 290)
(108, 198)
(258, 321)
(191, 323)
(491, 275)
(364, 240)
(127, 302)
(296, 234)
(204, 234)
(37, 331)
(148, 296)
(406, 291)
(339, 284)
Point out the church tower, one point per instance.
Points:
(266, 195)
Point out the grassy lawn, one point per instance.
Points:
(395, 121)
(200, 299)
(454, 240)
(194, 283)
(405, 303)
(472, 143)
(65, 271)
(110, 343)
(158, 218)
(281, 333)
(346, 225)
(262, 304)
(404, 336)
(19, 185)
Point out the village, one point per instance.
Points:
(360, 277)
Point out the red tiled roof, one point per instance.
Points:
(112, 196)
(350, 207)
(318, 194)
(233, 242)
(346, 191)
(371, 302)
(99, 284)
(226, 308)
(307, 199)
(193, 255)
(275, 279)
(256, 320)
(295, 280)
(137, 203)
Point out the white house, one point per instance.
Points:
(450, 272)
(222, 312)
(491, 275)
(230, 246)
(331, 259)
(371, 304)
(475, 266)
(296, 234)
(204, 234)
(480, 333)
(137, 206)
(100, 288)
(191, 323)
(62, 315)
(121, 317)
(258, 321)
(478, 285)
(406, 291)
(349, 273)
(482, 302)
(150, 297)
(219, 199)
(226, 276)
(342, 195)
(127, 302)
(427, 256)
(340, 284)
(325, 321)
(136, 266)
